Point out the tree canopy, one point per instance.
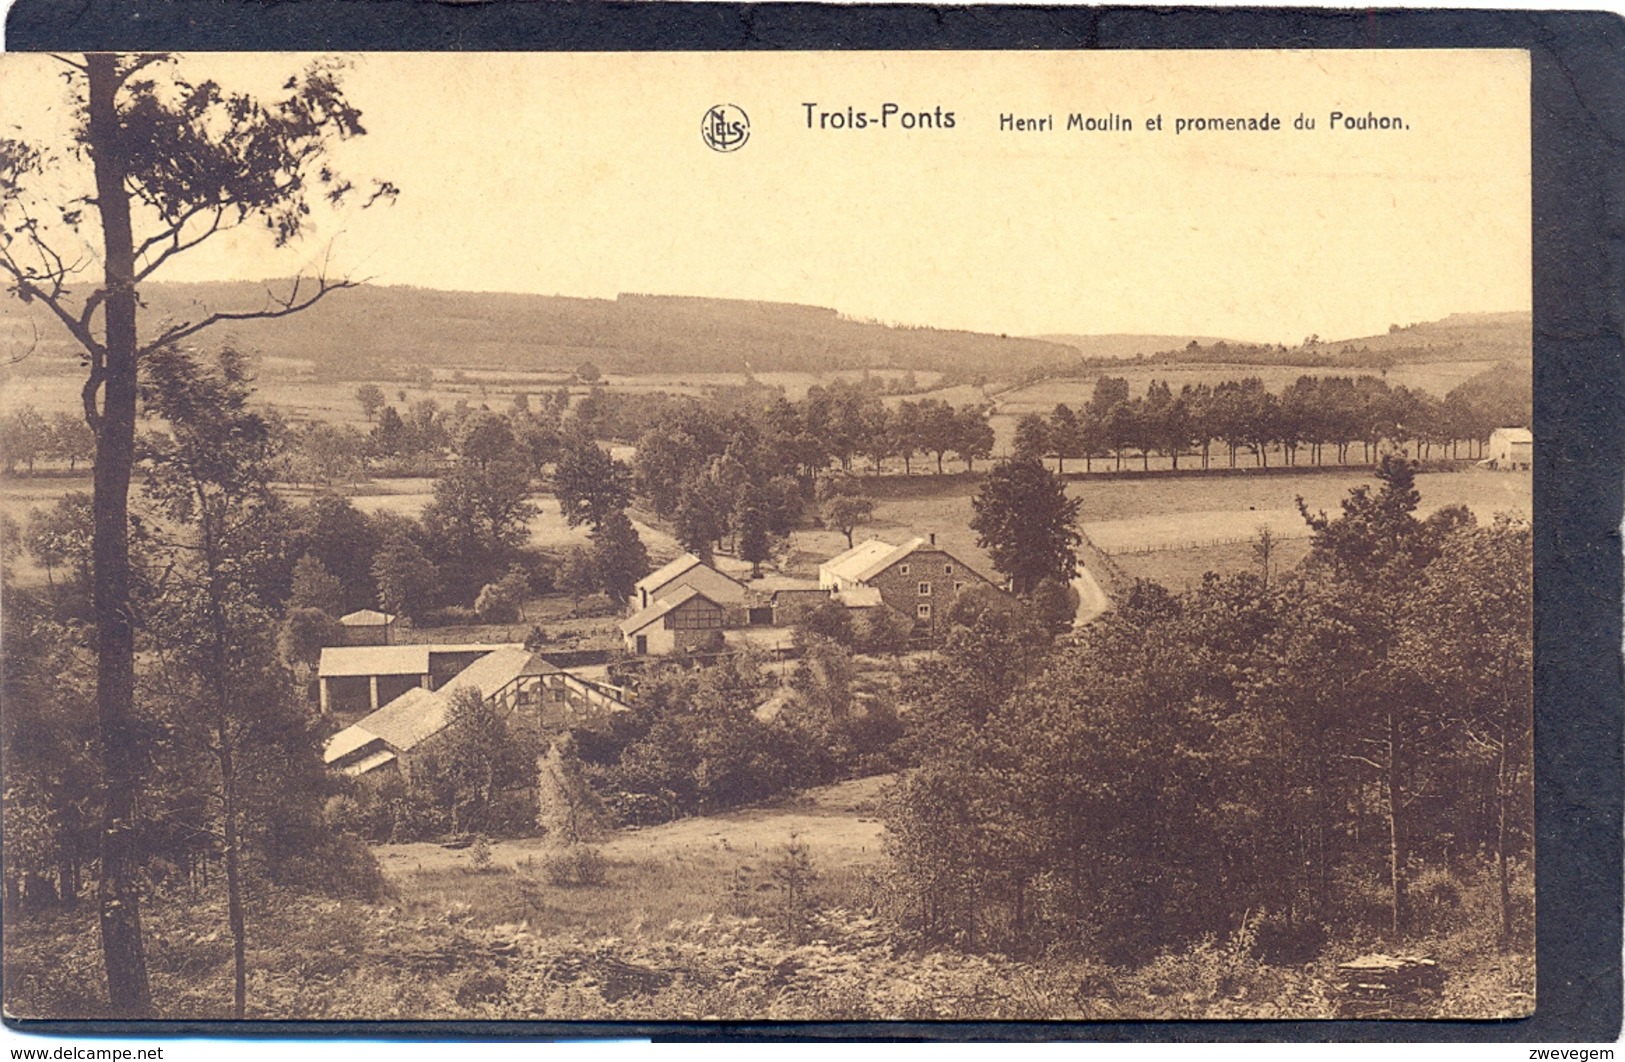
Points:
(1027, 523)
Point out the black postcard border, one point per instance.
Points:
(1578, 101)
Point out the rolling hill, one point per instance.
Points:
(370, 330)
(378, 331)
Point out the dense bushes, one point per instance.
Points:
(1332, 755)
(728, 735)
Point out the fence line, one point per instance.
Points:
(1208, 543)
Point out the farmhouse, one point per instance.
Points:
(368, 627)
(677, 623)
(687, 571)
(524, 686)
(1511, 448)
(918, 579)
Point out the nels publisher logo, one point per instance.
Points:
(725, 128)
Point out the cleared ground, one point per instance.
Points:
(1483, 491)
(685, 870)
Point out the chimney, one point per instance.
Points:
(931, 536)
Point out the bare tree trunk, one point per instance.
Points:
(129, 994)
(1501, 840)
(234, 883)
(1396, 854)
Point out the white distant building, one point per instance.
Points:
(1511, 449)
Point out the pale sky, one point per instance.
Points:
(587, 175)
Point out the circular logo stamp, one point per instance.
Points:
(725, 128)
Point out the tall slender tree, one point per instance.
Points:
(172, 164)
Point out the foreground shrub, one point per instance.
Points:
(341, 865)
(575, 866)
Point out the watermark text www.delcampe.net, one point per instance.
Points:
(89, 1054)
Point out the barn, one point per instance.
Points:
(681, 622)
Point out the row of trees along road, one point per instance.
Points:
(28, 436)
(160, 164)
(1315, 413)
(1338, 752)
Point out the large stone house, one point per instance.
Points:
(918, 579)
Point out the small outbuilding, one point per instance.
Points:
(368, 626)
(679, 623)
(1511, 449)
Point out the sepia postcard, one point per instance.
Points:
(767, 536)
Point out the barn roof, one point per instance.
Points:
(353, 660)
(1515, 434)
(407, 720)
(667, 572)
(347, 741)
(342, 661)
(489, 673)
(369, 762)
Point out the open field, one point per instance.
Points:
(1127, 514)
(548, 529)
(1483, 491)
(1181, 569)
(679, 871)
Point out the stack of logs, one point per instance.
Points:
(1390, 986)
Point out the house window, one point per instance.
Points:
(958, 586)
(947, 569)
(925, 589)
(923, 611)
(558, 695)
(902, 569)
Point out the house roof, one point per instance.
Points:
(689, 570)
(1515, 434)
(367, 617)
(667, 572)
(353, 660)
(642, 618)
(863, 562)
